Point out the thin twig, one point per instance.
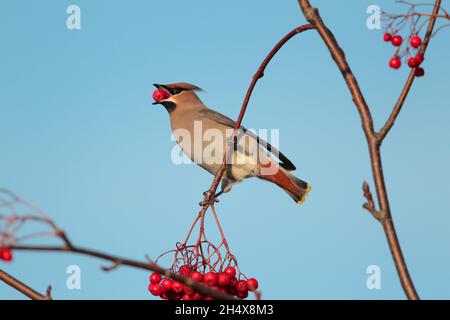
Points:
(370, 205)
(23, 288)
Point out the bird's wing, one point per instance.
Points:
(220, 118)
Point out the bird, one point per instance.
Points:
(250, 157)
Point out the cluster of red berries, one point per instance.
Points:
(414, 61)
(6, 254)
(224, 281)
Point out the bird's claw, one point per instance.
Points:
(205, 202)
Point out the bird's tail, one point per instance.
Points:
(296, 188)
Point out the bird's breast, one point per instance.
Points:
(205, 143)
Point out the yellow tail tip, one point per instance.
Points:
(308, 188)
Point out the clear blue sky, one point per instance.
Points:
(81, 140)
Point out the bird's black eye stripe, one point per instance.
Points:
(174, 90)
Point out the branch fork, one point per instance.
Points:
(374, 139)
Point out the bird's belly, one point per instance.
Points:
(243, 166)
(239, 167)
(209, 155)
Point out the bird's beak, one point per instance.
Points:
(159, 86)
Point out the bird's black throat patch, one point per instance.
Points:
(169, 105)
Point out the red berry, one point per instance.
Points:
(185, 270)
(6, 254)
(196, 276)
(208, 298)
(232, 286)
(232, 291)
(397, 40)
(223, 279)
(387, 37)
(395, 62)
(415, 41)
(155, 277)
(210, 278)
(242, 295)
(174, 296)
(186, 297)
(197, 296)
(230, 271)
(412, 62)
(188, 290)
(242, 286)
(160, 94)
(419, 59)
(155, 289)
(233, 282)
(177, 287)
(419, 72)
(167, 284)
(252, 284)
(164, 296)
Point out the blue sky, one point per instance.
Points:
(82, 141)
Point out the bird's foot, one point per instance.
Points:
(209, 200)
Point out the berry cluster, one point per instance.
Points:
(224, 281)
(6, 254)
(414, 61)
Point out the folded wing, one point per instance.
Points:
(224, 120)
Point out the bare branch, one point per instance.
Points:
(10, 240)
(373, 139)
(23, 288)
(119, 261)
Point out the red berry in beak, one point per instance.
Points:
(397, 40)
(160, 94)
(395, 62)
(415, 41)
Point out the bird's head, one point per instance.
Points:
(175, 95)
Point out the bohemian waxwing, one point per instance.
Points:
(203, 134)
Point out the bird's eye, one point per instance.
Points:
(175, 90)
